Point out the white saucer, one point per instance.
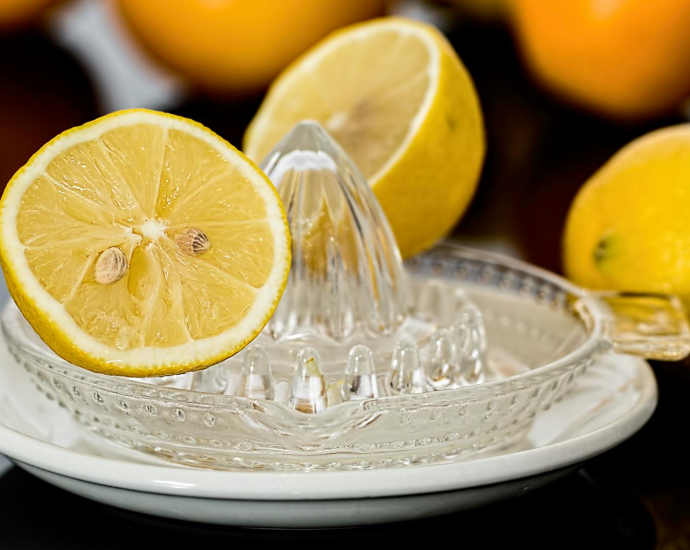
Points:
(610, 403)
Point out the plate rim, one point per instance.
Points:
(332, 485)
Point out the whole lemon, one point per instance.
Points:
(629, 228)
(623, 58)
(17, 13)
(237, 46)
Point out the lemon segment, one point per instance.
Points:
(95, 245)
(397, 98)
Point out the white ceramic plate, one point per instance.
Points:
(610, 402)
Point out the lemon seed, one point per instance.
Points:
(110, 267)
(193, 242)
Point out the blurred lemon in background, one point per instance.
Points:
(623, 58)
(397, 98)
(628, 228)
(16, 13)
(237, 46)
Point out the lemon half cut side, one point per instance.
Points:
(395, 95)
(143, 244)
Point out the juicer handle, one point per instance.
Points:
(654, 326)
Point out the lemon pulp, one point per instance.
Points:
(371, 116)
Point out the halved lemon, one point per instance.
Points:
(397, 98)
(143, 244)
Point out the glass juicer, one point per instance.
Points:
(366, 363)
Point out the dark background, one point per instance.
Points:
(540, 152)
